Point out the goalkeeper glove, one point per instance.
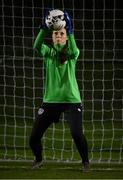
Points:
(69, 23)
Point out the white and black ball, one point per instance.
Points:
(55, 20)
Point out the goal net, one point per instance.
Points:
(98, 29)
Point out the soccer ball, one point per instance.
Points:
(55, 20)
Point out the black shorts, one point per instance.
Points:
(54, 111)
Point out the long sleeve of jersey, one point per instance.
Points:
(39, 40)
(39, 45)
(73, 50)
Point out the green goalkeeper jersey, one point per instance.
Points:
(60, 84)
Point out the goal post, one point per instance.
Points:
(98, 27)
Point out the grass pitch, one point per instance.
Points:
(22, 170)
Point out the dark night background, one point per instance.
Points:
(98, 29)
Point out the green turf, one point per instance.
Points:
(17, 170)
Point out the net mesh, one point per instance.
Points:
(98, 28)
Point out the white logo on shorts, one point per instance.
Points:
(40, 111)
(79, 109)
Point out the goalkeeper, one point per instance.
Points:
(61, 90)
